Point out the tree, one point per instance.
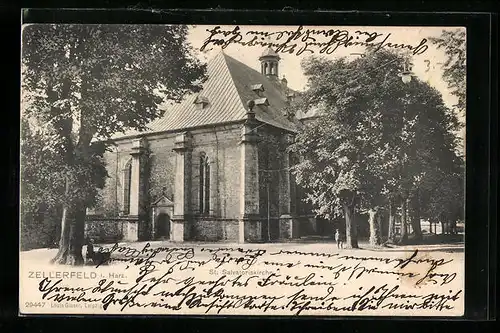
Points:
(444, 195)
(40, 188)
(376, 142)
(375, 220)
(454, 45)
(341, 152)
(454, 73)
(88, 82)
(331, 186)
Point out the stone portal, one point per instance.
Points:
(163, 210)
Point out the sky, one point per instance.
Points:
(426, 65)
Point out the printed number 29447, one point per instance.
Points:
(34, 304)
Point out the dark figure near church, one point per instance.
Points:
(339, 239)
(96, 258)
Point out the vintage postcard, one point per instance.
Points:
(242, 170)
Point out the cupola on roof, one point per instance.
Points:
(269, 64)
(269, 52)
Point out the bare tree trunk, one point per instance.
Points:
(404, 222)
(390, 233)
(72, 234)
(379, 224)
(351, 228)
(72, 237)
(374, 220)
(415, 218)
(65, 229)
(453, 226)
(74, 210)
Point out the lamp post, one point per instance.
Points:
(406, 75)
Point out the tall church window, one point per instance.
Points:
(204, 184)
(127, 177)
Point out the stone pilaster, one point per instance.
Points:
(288, 225)
(250, 228)
(180, 222)
(138, 191)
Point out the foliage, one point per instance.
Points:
(348, 143)
(41, 186)
(40, 172)
(84, 83)
(444, 196)
(377, 139)
(454, 45)
(87, 82)
(112, 78)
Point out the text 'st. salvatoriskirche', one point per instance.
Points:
(213, 168)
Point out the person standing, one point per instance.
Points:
(339, 239)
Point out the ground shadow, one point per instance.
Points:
(441, 248)
(439, 243)
(431, 239)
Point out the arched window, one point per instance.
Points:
(204, 184)
(127, 176)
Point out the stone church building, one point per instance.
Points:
(214, 168)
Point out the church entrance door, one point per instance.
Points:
(162, 224)
(163, 209)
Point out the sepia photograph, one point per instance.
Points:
(242, 170)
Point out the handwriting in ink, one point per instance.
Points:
(301, 40)
(222, 280)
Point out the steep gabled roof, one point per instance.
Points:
(244, 77)
(227, 90)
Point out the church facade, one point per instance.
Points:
(214, 168)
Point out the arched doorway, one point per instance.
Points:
(163, 210)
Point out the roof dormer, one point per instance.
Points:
(257, 88)
(262, 102)
(201, 101)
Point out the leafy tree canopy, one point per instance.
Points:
(81, 84)
(86, 82)
(107, 78)
(455, 66)
(377, 137)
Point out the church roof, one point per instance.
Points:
(226, 92)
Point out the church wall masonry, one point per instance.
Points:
(275, 187)
(220, 144)
(266, 216)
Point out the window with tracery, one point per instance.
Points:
(127, 176)
(204, 184)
